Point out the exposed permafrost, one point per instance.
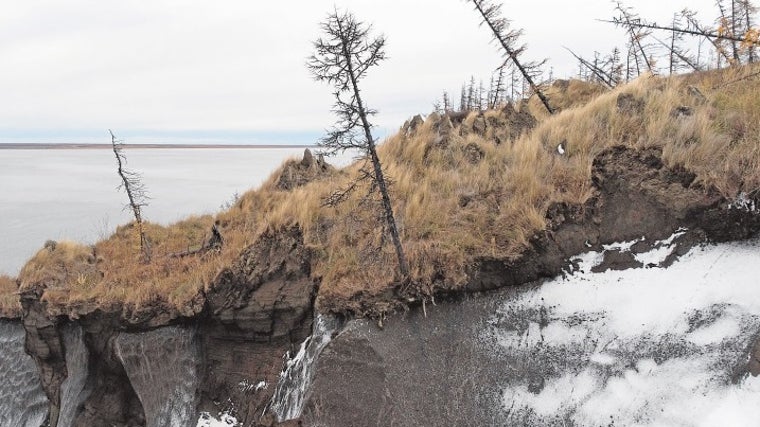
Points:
(295, 380)
(224, 420)
(643, 346)
(744, 202)
(162, 366)
(73, 391)
(22, 401)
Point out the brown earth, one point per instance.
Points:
(262, 305)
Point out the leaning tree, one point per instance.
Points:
(342, 57)
(132, 184)
(509, 40)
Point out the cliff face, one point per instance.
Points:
(228, 358)
(259, 309)
(556, 353)
(489, 201)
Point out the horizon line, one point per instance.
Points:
(98, 146)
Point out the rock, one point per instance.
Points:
(259, 308)
(308, 159)
(411, 126)
(294, 174)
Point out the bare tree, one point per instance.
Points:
(508, 39)
(497, 91)
(636, 34)
(342, 59)
(749, 10)
(734, 29)
(597, 72)
(463, 98)
(132, 184)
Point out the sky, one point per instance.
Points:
(234, 71)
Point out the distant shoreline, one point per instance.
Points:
(65, 146)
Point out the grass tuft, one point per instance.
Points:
(481, 189)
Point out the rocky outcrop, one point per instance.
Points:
(298, 173)
(550, 354)
(256, 311)
(44, 343)
(449, 365)
(636, 195)
(259, 309)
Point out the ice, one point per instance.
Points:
(224, 420)
(640, 347)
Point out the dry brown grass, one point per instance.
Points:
(451, 208)
(10, 307)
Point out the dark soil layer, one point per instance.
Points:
(262, 305)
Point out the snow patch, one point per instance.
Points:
(224, 420)
(247, 386)
(295, 379)
(743, 202)
(645, 346)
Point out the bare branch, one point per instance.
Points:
(342, 60)
(508, 40)
(132, 184)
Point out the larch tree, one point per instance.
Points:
(508, 40)
(132, 184)
(342, 57)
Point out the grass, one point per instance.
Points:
(10, 307)
(457, 198)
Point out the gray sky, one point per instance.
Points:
(233, 71)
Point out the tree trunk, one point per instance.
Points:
(379, 177)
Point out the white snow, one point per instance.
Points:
(743, 202)
(659, 344)
(295, 379)
(224, 420)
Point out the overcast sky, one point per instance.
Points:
(233, 70)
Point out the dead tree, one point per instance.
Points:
(636, 34)
(744, 38)
(342, 59)
(600, 75)
(497, 87)
(749, 10)
(508, 40)
(212, 243)
(132, 184)
(463, 98)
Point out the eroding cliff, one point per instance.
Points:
(22, 401)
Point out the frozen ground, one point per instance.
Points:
(224, 420)
(640, 347)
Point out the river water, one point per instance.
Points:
(70, 194)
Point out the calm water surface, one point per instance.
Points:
(71, 194)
